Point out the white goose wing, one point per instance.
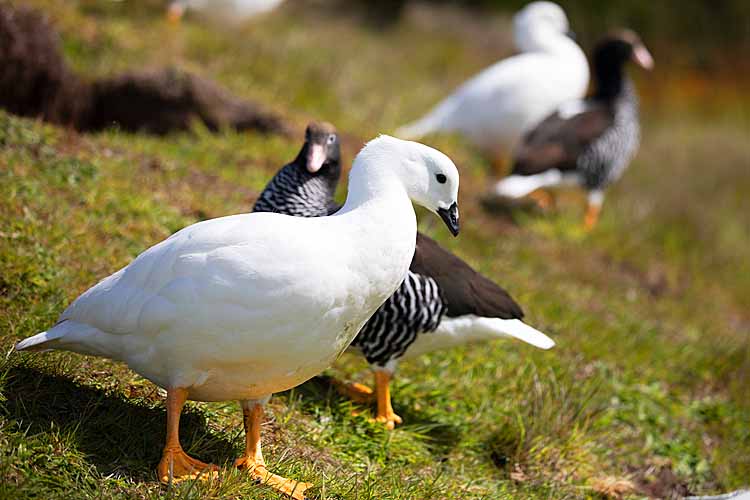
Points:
(501, 102)
(514, 94)
(213, 277)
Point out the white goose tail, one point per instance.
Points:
(438, 119)
(418, 129)
(57, 337)
(518, 329)
(44, 340)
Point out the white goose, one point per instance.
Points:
(244, 306)
(494, 108)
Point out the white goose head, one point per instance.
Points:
(540, 26)
(428, 177)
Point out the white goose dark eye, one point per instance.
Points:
(331, 139)
(441, 178)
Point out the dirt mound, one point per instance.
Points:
(36, 82)
(163, 100)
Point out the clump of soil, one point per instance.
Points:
(658, 480)
(35, 81)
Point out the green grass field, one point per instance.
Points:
(646, 394)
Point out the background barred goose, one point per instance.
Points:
(586, 143)
(497, 106)
(442, 302)
(234, 308)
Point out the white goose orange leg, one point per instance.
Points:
(252, 462)
(385, 414)
(175, 464)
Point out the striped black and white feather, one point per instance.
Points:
(417, 307)
(295, 191)
(606, 158)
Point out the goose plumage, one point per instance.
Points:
(441, 303)
(494, 108)
(247, 305)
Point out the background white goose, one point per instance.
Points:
(223, 10)
(244, 306)
(494, 108)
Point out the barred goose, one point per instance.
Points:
(586, 143)
(442, 302)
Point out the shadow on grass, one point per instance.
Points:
(440, 437)
(118, 436)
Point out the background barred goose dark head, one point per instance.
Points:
(306, 186)
(609, 58)
(321, 152)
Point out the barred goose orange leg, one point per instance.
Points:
(358, 393)
(385, 414)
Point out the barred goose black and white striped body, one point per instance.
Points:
(417, 307)
(585, 143)
(442, 301)
(293, 191)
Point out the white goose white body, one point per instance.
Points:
(244, 306)
(227, 10)
(496, 107)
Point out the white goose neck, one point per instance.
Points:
(378, 174)
(549, 41)
(372, 183)
(378, 200)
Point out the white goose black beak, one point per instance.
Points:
(450, 217)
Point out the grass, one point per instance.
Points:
(646, 393)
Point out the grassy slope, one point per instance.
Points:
(648, 383)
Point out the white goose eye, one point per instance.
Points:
(441, 178)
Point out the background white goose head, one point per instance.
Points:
(540, 26)
(428, 176)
